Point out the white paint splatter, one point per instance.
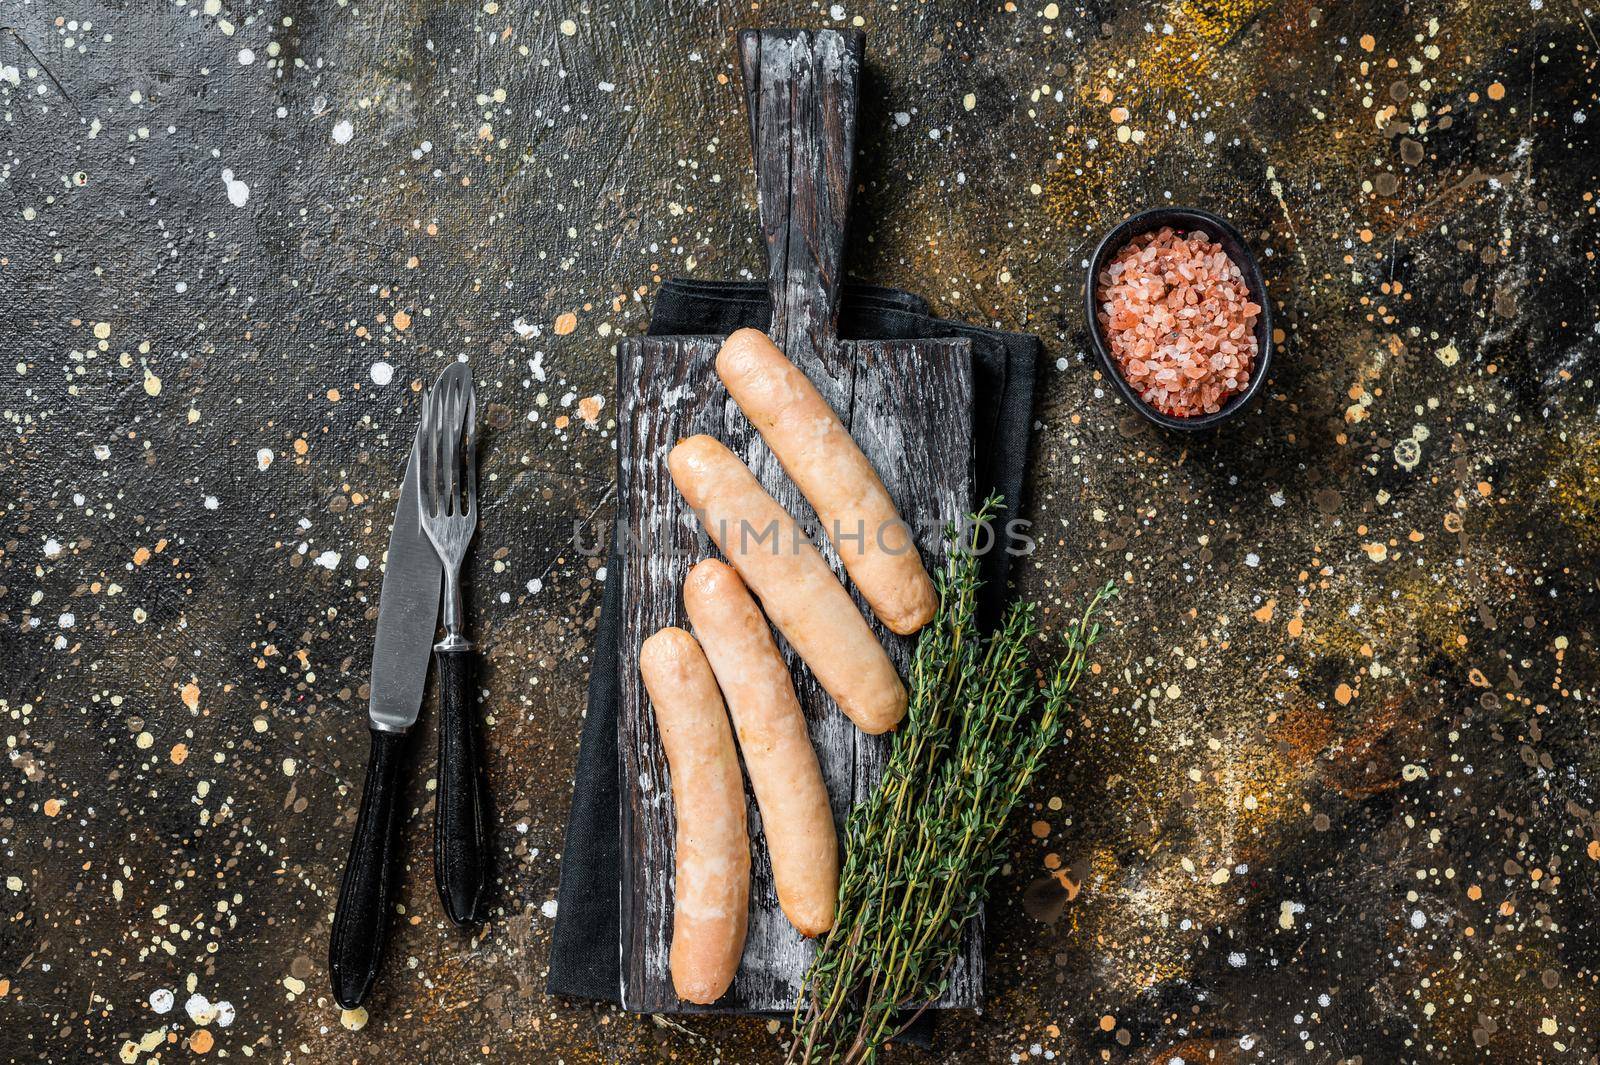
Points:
(382, 373)
(246, 56)
(548, 908)
(328, 560)
(199, 1009)
(343, 131)
(264, 458)
(238, 191)
(161, 1000)
(52, 547)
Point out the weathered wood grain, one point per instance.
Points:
(909, 411)
(908, 405)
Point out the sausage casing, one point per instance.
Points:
(711, 853)
(798, 591)
(822, 459)
(795, 816)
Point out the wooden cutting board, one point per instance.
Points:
(908, 405)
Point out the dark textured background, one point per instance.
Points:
(1332, 794)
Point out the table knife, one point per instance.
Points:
(408, 612)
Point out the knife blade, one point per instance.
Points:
(408, 613)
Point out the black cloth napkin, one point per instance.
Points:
(585, 959)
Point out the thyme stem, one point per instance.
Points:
(921, 849)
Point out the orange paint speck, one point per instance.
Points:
(201, 1041)
(1497, 91)
(566, 323)
(402, 321)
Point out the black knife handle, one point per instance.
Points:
(361, 920)
(460, 827)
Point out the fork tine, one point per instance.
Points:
(450, 445)
(440, 427)
(425, 455)
(439, 424)
(470, 444)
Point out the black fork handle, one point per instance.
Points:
(460, 833)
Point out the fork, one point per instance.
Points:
(448, 501)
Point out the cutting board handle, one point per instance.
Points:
(803, 88)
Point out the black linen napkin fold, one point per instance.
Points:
(585, 959)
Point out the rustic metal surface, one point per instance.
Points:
(1332, 795)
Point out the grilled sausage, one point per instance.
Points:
(817, 452)
(712, 847)
(798, 591)
(772, 736)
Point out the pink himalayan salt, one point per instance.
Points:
(1179, 320)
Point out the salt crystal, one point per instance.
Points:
(1159, 353)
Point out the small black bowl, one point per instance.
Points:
(1184, 220)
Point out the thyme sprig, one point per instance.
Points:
(920, 851)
